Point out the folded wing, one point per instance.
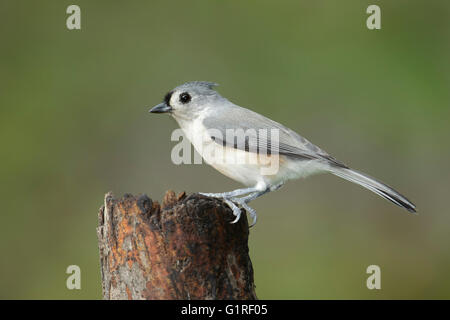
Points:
(258, 135)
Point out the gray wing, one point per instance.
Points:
(290, 143)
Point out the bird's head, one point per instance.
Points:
(188, 100)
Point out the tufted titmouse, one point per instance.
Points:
(209, 120)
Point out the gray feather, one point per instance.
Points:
(376, 186)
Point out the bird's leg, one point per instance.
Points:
(244, 200)
(277, 186)
(257, 194)
(232, 200)
(230, 194)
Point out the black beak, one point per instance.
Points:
(161, 108)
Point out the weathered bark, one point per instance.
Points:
(184, 249)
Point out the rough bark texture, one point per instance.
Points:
(184, 249)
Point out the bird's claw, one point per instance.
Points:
(252, 213)
(234, 204)
(236, 210)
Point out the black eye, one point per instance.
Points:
(185, 97)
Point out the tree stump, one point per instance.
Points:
(185, 248)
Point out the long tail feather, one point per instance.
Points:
(374, 185)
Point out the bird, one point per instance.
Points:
(209, 120)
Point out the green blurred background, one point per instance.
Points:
(74, 125)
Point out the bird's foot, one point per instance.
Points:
(235, 203)
(244, 204)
